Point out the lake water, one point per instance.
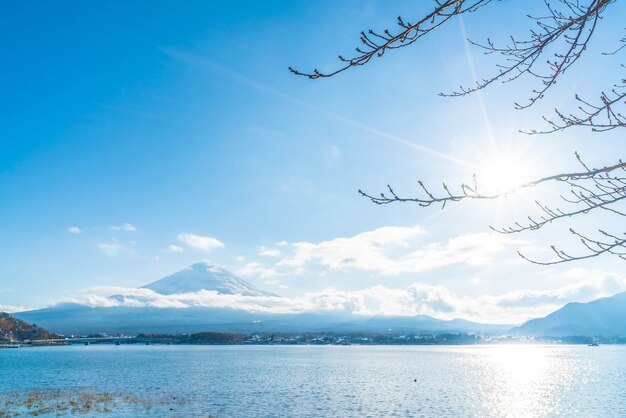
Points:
(335, 381)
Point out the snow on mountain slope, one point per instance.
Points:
(204, 276)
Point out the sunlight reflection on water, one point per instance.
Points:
(518, 381)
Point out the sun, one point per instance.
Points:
(503, 173)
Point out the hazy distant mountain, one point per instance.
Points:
(204, 276)
(80, 319)
(73, 318)
(13, 329)
(606, 317)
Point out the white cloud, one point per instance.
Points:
(112, 249)
(581, 285)
(417, 299)
(199, 242)
(255, 269)
(363, 251)
(269, 252)
(470, 249)
(175, 248)
(376, 300)
(282, 244)
(146, 297)
(12, 308)
(123, 227)
(74, 230)
(388, 251)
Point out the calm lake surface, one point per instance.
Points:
(334, 381)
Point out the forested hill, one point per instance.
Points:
(13, 329)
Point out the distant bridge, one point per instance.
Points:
(99, 340)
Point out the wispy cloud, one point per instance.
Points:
(199, 242)
(255, 269)
(74, 230)
(269, 252)
(112, 249)
(582, 285)
(365, 251)
(203, 62)
(332, 156)
(175, 248)
(126, 227)
(392, 250)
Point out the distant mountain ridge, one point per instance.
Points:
(81, 319)
(605, 316)
(204, 276)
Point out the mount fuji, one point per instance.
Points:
(204, 276)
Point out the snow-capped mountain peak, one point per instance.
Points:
(205, 276)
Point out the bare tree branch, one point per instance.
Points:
(556, 41)
(591, 189)
(375, 44)
(562, 35)
(522, 57)
(599, 117)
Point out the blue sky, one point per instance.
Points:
(141, 137)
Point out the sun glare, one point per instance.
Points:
(504, 173)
